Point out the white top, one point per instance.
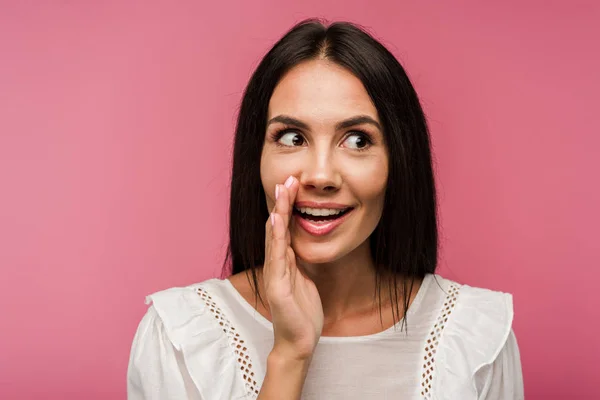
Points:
(206, 342)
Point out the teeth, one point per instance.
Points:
(320, 212)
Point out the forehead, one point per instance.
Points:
(319, 90)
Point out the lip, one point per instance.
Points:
(314, 204)
(319, 228)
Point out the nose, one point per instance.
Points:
(320, 172)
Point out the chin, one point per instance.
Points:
(313, 253)
(314, 260)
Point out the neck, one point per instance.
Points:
(346, 285)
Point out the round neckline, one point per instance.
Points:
(392, 329)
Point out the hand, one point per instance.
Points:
(293, 299)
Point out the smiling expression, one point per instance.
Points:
(323, 128)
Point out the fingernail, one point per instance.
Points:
(289, 181)
(272, 220)
(276, 192)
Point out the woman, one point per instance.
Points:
(333, 249)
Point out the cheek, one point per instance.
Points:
(268, 183)
(273, 170)
(369, 181)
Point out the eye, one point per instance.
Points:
(357, 141)
(291, 139)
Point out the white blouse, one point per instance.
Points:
(206, 342)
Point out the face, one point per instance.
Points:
(323, 129)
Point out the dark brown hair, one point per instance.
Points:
(405, 242)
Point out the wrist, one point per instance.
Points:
(285, 376)
(288, 360)
(284, 354)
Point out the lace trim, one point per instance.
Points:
(235, 342)
(434, 338)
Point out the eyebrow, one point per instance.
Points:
(356, 120)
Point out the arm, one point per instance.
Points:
(294, 303)
(503, 379)
(284, 378)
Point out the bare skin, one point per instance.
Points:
(357, 322)
(323, 144)
(295, 308)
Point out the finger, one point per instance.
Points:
(282, 203)
(291, 265)
(286, 198)
(283, 208)
(268, 239)
(292, 187)
(278, 250)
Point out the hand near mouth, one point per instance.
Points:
(293, 299)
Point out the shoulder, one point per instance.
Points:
(476, 332)
(188, 323)
(186, 309)
(481, 313)
(475, 306)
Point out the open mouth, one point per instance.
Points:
(320, 215)
(318, 219)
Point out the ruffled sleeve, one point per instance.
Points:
(154, 364)
(503, 379)
(478, 357)
(180, 351)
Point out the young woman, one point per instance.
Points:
(333, 251)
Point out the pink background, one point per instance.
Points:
(116, 123)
